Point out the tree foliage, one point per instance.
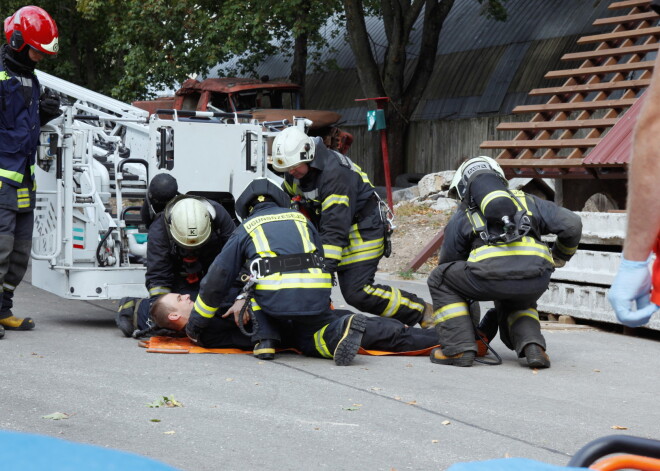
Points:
(130, 49)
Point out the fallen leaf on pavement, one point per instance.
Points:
(56, 416)
(619, 427)
(445, 422)
(165, 401)
(170, 432)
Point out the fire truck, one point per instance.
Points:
(94, 163)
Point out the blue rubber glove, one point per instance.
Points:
(632, 283)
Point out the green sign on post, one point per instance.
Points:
(376, 120)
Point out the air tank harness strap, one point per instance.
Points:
(285, 263)
(262, 267)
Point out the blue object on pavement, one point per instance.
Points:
(28, 452)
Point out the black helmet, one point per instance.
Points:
(162, 188)
(260, 190)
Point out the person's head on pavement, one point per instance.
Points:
(172, 311)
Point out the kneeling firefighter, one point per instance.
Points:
(352, 220)
(287, 285)
(493, 251)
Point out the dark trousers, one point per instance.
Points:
(315, 335)
(15, 247)
(452, 286)
(390, 335)
(224, 333)
(356, 282)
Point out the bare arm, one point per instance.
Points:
(643, 199)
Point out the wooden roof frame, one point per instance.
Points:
(591, 101)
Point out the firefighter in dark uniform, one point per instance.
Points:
(183, 241)
(343, 205)
(282, 249)
(493, 251)
(31, 35)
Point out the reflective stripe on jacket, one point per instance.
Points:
(526, 258)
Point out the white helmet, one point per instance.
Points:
(470, 168)
(188, 221)
(292, 147)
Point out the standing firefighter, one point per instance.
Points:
(31, 35)
(282, 250)
(493, 252)
(341, 202)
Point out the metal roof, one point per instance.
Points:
(484, 66)
(616, 146)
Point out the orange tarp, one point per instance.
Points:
(184, 345)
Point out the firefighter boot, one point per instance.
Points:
(11, 322)
(460, 359)
(126, 316)
(349, 344)
(427, 316)
(536, 356)
(14, 258)
(265, 349)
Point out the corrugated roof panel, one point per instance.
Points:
(466, 29)
(501, 78)
(616, 146)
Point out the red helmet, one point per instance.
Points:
(32, 26)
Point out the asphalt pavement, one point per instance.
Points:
(295, 413)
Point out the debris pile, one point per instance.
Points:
(430, 191)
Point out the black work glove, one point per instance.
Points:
(49, 107)
(558, 257)
(196, 326)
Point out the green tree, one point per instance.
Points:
(400, 18)
(130, 49)
(156, 44)
(285, 28)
